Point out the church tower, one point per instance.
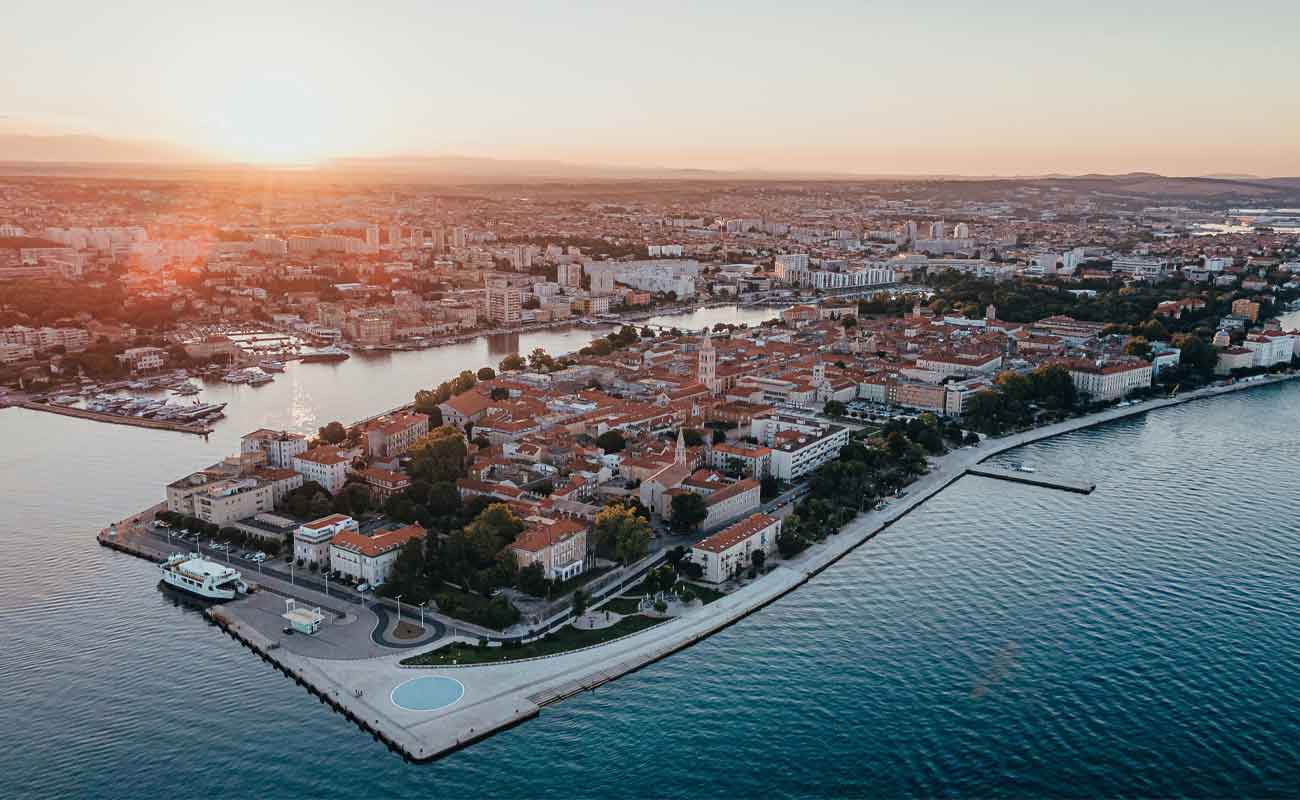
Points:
(681, 448)
(708, 369)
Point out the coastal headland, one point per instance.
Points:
(360, 681)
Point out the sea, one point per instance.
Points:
(1000, 641)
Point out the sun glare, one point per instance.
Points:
(272, 119)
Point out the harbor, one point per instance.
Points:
(359, 678)
(198, 427)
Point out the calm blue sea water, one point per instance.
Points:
(1002, 641)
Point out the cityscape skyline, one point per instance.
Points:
(833, 89)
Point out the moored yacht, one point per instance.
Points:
(195, 574)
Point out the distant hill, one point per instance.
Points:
(87, 149)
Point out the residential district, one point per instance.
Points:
(908, 317)
(555, 501)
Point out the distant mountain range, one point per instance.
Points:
(85, 153)
(87, 149)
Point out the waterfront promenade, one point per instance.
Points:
(498, 696)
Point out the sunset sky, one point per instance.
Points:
(1005, 87)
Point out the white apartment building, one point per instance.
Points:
(786, 262)
(730, 551)
(1141, 268)
(223, 502)
(280, 447)
(1110, 380)
(325, 465)
(311, 540)
(798, 445)
(1270, 348)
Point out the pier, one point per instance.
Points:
(121, 419)
(1033, 479)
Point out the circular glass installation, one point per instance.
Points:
(428, 693)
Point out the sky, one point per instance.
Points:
(1005, 87)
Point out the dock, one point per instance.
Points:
(120, 419)
(1032, 479)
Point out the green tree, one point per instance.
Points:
(611, 441)
(1137, 346)
(580, 601)
(439, 456)
(492, 530)
(486, 374)
(1197, 355)
(688, 511)
(512, 363)
(620, 533)
(835, 408)
(333, 433)
(541, 361)
(532, 580)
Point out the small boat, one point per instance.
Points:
(259, 378)
(271, 365)
(186, 389)
(65, 400)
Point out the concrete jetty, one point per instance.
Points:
(120, 419)
(1033, 479)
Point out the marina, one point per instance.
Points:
(186, 422)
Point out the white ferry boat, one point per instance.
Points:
(195, 574)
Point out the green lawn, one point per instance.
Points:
(561, 641)
(705, 593)
(621, 605)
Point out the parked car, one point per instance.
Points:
(363, 587)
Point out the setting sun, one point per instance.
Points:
(271, 119)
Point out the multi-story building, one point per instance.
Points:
(390, 436)
(369, 559)
(142, 359)
(325, 465)
(1246, 308)
(569, 275)
(1270, 348)
(504, 305)
(280, 447)
(1141, 268)
(311, 541)
(798, 445)
(727, 502)
(786, 262)
(384, 483)
(560, 546)
(754, 460)
(729, 551)
(225, 501)
(1103, 381)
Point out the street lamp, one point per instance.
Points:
(327, 582)
(399, 609)
(422, 615)
(290, 572)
